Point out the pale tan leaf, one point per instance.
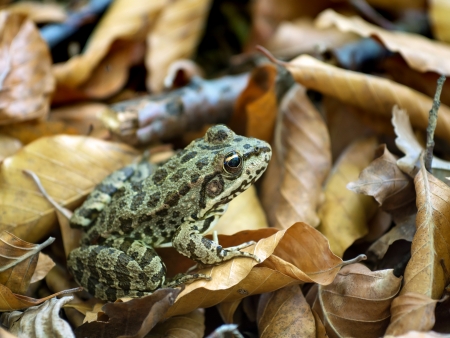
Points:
(174, 36)
(373, 94)
(39, 12)
(292, 256)
(358, 301)
(26, 80)
(292, 192)
(439, 11)
(285, 313)
(40, 321)
(68, 166)
(191, 325)
(344, 214)
(411, 311)
(427, 270)
(8, 146)
(44, 265)
(416, 334)
(418, 51)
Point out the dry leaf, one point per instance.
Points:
(244, 213)
(174, 36)
(344, 215)
(398, 5)
(61, 163)
(357, 303)
(302, 145)
(373, 94)
(438, 12)
(418, 51)
(18, 260)
(39, 12)
(427, 270)
(292, 256)
(44, 265)
(191, 325)
(411, 311)
(26, 78)
(416, 334)
(256, 104)
(8, 146)
(6, 334)
(39, 321)
(134, 318)
(285, 313)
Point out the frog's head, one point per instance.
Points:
(236, 163)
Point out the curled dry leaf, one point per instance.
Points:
(357, 303)
(257, 102)
(302, 144)
(39, 321)
(427, 270)
(61, 163)
(344, 215)
(191, 325)
(18, 260)
(134, 318)
(26, 80)
(292, 256)
(285, 313)
(411, 311)
(418, 51)
(373, 94)
(44, 265)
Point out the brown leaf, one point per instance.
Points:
(418, 51)
(373, 94)
(416, 334)
(427, 270)
(44, 265)
(383, 180)
(285, 313)
(8, 146)
(191, 325)
(134, 318)
(292, 192)
(26, 78)
(438, 12)
(344, 214)
(257, 103)
(289, 257)
(357, 303)
(411, 311)
(61, 163)
(18, 260)
(10, 301)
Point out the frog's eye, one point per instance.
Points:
(232, 163)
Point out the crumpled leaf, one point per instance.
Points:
(44, 265)
(285, 313)
(39, 321)
(68, 167)
(358, 301)
(292, 256)
(18, 260)
(426, 272)
(26, 80)
(134, 318)
(191, 325)
(344, 214)
(256, 103)
(418, 51)
(373, 94)
(291, 190)
(411, 311)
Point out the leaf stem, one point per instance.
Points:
(432, 121)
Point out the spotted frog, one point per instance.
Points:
(129, 214)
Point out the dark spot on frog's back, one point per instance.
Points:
(162, 213)
(159, 176)
(138, 200)
(178, 175)
(126, 224)
(184, 189)
(194, 178)
(189, 156)
(172, 198)
(247, 146)
(202, 163)
(154, 199)
(137, 186)
(175, 107)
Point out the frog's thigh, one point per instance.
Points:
(131, 269)
(189, 242)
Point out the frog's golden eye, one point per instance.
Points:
(232, 163)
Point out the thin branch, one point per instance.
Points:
(272, 58)
(432, 120)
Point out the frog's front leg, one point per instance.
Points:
(189, 242)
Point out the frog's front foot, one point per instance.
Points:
(182, 278)
(190, 243)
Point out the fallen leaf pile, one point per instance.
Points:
(351, 220)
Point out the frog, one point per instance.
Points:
(139, 208)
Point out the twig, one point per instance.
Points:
(432, 120)
(368, 12)
(272, 58)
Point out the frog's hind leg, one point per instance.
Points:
(85, 216)
(125, 267)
